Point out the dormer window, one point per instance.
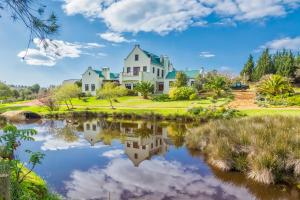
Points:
(136, 57)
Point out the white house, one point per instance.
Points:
(141, 65)
(92, 79)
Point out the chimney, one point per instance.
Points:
(137, 45)
(106, 72)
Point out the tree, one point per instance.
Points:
(31, 14)
(66, 92)
(5, 91)
(110, 91)
(284, 63)
(145, 88)
(217, 83)
(248, 68)
(273, 85)
(264, 66)
(297, 64)
(35, 88)
(11, 138)
(181, 79)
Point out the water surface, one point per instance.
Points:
(100, 159)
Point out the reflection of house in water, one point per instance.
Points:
(92, 131)
(143, 141)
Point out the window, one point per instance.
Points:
(135, 145)
(86, 87)
(157, 72)
(135, 156)
(192, 83)
(93, 87)
(128, 86)
(153, 70)
(128, 69)
(136, 57)
(144, 147)
(162, 73)
(136, 71)
(151, 145)
(94, 127)
(88, 127)
(89, 73)
(128, 144)
(144, 68)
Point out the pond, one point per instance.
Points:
(105, 159)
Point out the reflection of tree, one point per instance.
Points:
(67, 133)
(108, 135)
(177, 132)
(143, 131)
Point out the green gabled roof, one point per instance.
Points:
(192, 74)
(114, 76)
(154, 58)
(99, 73)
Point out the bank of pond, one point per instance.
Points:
(100, 158)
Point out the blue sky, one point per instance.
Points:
(214, 34)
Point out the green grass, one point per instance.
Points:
(271, 111)
(135, 105)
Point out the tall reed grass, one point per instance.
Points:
(266, 148)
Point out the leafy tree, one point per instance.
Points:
(65, 93)
(217, 83)
(79, 83)
(111, 91)
(145, 88)
(181, 79)
(264, 66)
(12, 138)
(5, 91)
(199, 82)
(35, 88)
(248, 68)
(273, 85)
(32, 14)
(284, 63)
(297, 64)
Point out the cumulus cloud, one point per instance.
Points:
(165, 16)
(113, 37)
(206, 54)
(113, 153)
(283, 43)
(48, 52)
(155, 179)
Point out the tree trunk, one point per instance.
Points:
(71, 103)
(67, 105)
(111, 105)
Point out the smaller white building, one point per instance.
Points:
(92, 80)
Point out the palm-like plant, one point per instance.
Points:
(145, 88)
(273, 85)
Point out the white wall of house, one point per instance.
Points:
(90, 78)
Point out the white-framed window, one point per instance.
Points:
(93, 87)
(136, 57)
(86, 87)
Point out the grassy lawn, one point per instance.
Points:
(125, 104)
(138, 105)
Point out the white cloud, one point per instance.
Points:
(283, 43)
(175, 15)
(206, 54)
(48, 52)
(113, 153)
(155, 179)
(113, 37)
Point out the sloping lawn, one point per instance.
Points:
(124, 104)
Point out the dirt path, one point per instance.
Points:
(244, 100)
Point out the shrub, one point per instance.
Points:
(214, 113)
(161, 98)
(132, 92)
(181, 93)
(193, 96)
(264, 148)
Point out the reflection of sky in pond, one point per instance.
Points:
(80, 169)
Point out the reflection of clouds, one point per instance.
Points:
(53, 143)
(156, 179)
(113, 153)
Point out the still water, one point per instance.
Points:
(102, 159)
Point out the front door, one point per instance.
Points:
(160, 87)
